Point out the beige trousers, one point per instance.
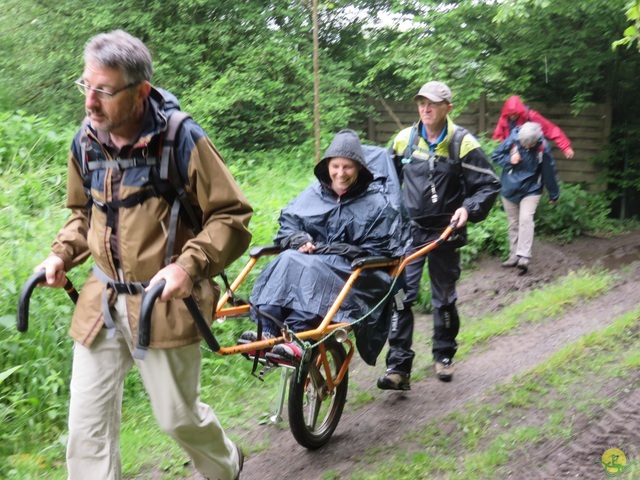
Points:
(171, 378)
(521, 224)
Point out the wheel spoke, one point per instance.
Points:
(319, 381)
(315, 395)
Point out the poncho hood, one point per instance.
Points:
(345, 144)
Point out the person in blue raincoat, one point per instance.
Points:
(527, 167)
(353, 210)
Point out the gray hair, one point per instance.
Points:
(529, 134)
(123, 52)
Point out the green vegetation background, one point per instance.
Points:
(244, 70)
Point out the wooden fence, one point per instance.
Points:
(588, 131)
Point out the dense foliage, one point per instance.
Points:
(245, 67)
(244, 70)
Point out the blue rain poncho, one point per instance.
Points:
(367, 220)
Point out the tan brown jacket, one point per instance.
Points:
(143, 229)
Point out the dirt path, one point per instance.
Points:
(382, 422)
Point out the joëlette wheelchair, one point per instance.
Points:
(318, 385)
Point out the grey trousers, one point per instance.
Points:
(521, 224)
(171, 378)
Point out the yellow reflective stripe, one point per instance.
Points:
(468, 142)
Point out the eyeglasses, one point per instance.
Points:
(425, 104)
(99, 93)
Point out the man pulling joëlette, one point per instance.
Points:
(126, 227)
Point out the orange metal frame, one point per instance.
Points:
(326, 327)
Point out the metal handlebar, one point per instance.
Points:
(25, 296)
(144, 327)
(146, 306)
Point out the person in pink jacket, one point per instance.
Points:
(515, 113)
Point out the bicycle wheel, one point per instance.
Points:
(314, 411)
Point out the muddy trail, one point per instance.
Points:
(381, 423)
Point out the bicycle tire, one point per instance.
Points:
(314, 412)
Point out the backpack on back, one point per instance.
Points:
(168, 184)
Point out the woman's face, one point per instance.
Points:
(343, 173)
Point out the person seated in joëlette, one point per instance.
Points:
(348, 213)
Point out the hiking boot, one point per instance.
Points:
(511, 262)
(394, 381)
(289, 354)
(523, 265)
(249, 337)
(444, 370)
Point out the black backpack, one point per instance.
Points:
(168, 182)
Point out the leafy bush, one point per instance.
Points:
(33, 397)
(575, 213)
(489, 237)
(28, 142)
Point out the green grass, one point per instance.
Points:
(540, 305)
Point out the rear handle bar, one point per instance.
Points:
(148, 300)
(144, 326)
(25, 296)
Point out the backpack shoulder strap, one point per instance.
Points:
(169, 169)
(454, 154)
(84, 138)
(456, 141)
(84, 163)
(170, 173)
(414, 138)
(541, 152)
(174, 122)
